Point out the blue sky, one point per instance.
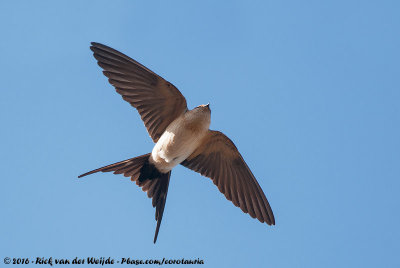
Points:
(308, 90)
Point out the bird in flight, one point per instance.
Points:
(181, 136)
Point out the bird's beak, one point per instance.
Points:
(208, 105)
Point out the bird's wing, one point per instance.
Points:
(219, 159)
(158, 101)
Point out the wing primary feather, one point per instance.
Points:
(232, 183)
(262, 200)
(246, 193)
(141, 87)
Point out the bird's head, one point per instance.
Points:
(204, 107)
(202, 113)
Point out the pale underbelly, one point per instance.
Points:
(173, 148)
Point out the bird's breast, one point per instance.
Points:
(178, 141)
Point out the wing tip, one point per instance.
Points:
(96, 47)
(271, 220)
(95, 44)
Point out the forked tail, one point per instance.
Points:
(147, 177)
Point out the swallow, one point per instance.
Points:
(181, 136)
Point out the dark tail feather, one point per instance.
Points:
(156, 188)
(130, 167)
(147, 177)
(161, 193)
